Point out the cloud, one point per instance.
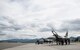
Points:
(8, 23)
(9, 29)
(72, 25)
(8, 26)
(45, 29)
(35, 16)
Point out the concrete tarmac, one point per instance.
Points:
(32, 46)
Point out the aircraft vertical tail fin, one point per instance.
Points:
(66, 35)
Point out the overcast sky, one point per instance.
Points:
(34, 18)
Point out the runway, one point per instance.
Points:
(32, 46)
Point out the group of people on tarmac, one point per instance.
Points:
(59, 40)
